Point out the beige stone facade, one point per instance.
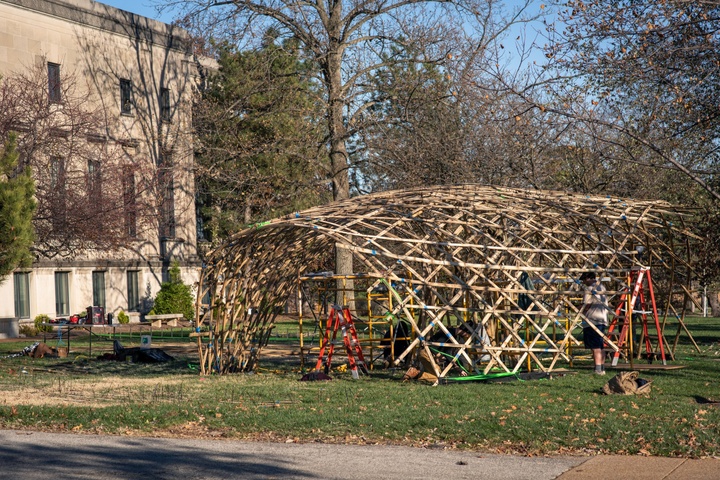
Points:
(109, 50)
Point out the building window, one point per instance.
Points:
(129, 202)
(168, 208)
(98, 286)
(126, 100)
(57, 198)
(166, 186)
(22, 295)
(132, 291)
(62, 293)
(94, 180)
(57, 172)
(165, 104)
(54, 94)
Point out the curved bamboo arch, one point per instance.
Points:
(459, 254)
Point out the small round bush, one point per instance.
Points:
(175, 296)
(28, 330)
(123, 318)
(42, 318)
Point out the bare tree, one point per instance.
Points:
(79, 173)
(350, 40)
(641, 78)
(455, 120)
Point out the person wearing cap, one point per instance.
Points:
(594, 310)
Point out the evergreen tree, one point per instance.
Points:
(260, 138)
(175, 296)
(17, 204)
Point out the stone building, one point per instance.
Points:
(141, 75)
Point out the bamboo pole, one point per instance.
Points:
(454, 253)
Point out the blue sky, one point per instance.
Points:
(145, 8)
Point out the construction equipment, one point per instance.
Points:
(639, 280)
(340, 318)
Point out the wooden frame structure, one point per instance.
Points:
(500, 263)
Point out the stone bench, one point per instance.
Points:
(169, 319)
(9, 327)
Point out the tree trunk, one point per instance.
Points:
(339, 157)
(714, 300)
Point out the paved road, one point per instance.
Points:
(41, 456)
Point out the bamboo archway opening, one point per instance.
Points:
(490, 271)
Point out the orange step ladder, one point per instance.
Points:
(341, 319)
(639, 278)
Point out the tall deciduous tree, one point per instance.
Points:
(643, 81)
(349, 40)
(417, 134)
(260, 135)
(16, 209)
(650, 71)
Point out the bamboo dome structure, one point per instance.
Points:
(502, 263)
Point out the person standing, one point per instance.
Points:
(595, 311)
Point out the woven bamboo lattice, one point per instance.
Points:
(501, 262)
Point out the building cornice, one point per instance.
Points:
(193, 262)
(110, 19)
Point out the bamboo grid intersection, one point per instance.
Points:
(500, 264)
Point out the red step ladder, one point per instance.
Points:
(639, 279)
(340, 318)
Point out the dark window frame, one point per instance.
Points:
(57, 172)
(166, 186)
(133, 290)
(54, 83)
(62, 293)
(57, 198)
(21, 285)
(94, 182)
(98, 286)
(129, 202)
(126, 97)
(164, 100)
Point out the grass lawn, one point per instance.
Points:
(563, 415)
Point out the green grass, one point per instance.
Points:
(565, 414)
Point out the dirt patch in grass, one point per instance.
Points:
(94, 382)
(93, 392)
